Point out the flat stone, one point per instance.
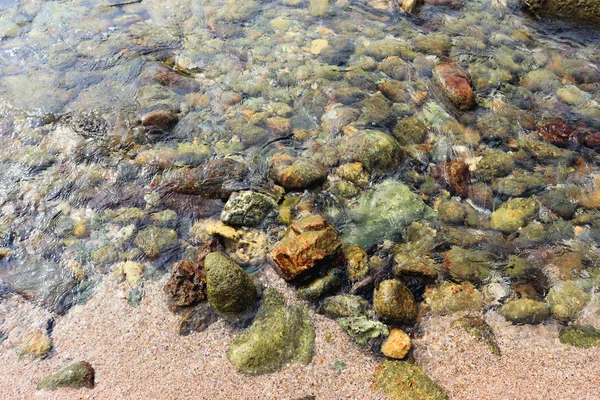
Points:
(77, 375)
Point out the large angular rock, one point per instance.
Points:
(229, 289)
(247, 209)
(77, 375)
(383, 212)
(279, 334)
(455, 84)
(308, 241)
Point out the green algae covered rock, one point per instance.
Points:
(77, 375)
(480, 330)
(580, 336)
(467, 265)
(247, 209)
(376, 150)
(279, 334)
(403, 380)
(363, 329)
(514, 214)
(525, 311)
(567, 300)
(229, 289)
(318, 288)
(449, 298)
(154, 240)
(586, 10)
(394, 302)
(383, 212)
(345, 305)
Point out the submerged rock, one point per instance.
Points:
(480, 330)
(383, 212)
(394, 302)
(455, 84)
(345, 305)
(580, 336)
(376, 150)
(197, 320)
(586, 10)
(77, 375)
(318, 288)
(279, 334)
(525, 311)
(449, 298)
(467, 265)
(247, 209)
(229, 289)
(403, 380)
(36, 344)
(296, 173)
(363, 329)
(308, 241)
(514, 214)
(567, 300)
(154, 240)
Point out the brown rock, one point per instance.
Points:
(397, 345)
(455, 84)
(557, 133)
(455, 175)
(296, 173)
(187, 284)
(308, 241)
(160, 119)
(279, 126)
(394, 302)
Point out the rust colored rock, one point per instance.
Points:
(592, 139)
(296, 173)
(455, 84)
(557, 133)
(187, 284)
(308, 241)
(160, 119)
(455, 176)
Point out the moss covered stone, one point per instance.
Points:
(449, 298)
(279, 334)
(514, 214)
(77, 375)
(247, 209)
(229, 289)
(467, 265)
(403, 380)
(383, 212)
(525, 311)
(318, 288)
(153, 240)
(567, 300)
(345, 305)
(580, 336)
(376, 150)
(363, 329)
(480, 330)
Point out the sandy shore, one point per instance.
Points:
(138, 354)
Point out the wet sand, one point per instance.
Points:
(138, 354)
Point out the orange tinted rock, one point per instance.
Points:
(307, 241)
(455, 84)
(296, 173)
(397, 345)
(160, 119)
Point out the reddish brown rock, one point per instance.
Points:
(557, 133)
(455, 176)
(187, 284)
(455, 84)
(592, 139)
(308, 241)
(296, 173)
(160, 119)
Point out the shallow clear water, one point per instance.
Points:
(84, 172)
